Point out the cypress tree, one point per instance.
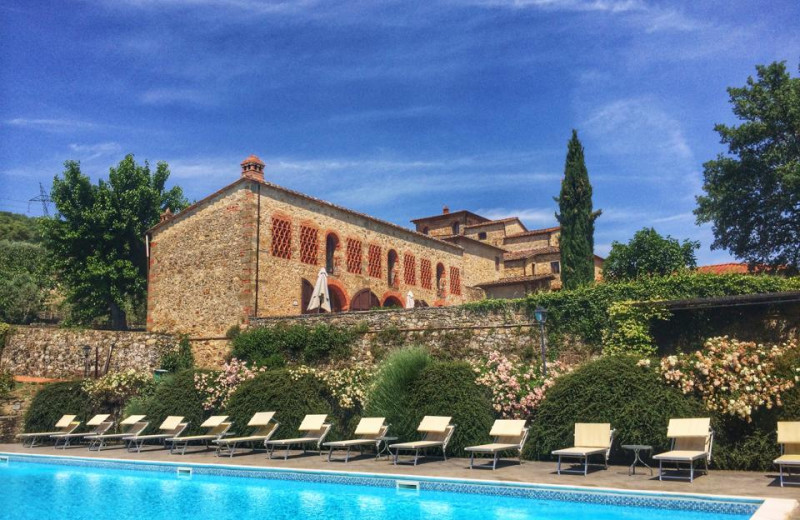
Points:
(576, 218)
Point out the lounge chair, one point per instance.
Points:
(370, 431)
(789, 439)
(132, 425)
(265, 429)
(509, 434)
(692, 441)
(172, 426)
(315, 429)
(590, 439)
(217, 428)
(67, 424)
(101, 426)
(436, 431)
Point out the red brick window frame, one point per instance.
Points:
(309, 245)
(425, 278)
(409, 269)
(281, 237)
(354, 256)
(455, 281)
(374, 261)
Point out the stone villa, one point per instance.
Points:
(254, 248)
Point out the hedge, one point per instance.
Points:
(449, 388)
(175, 395)
(56, 399)
(613, 389)
(272, 346)
(276, 391)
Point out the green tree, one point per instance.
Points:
(752, 194)
(96, 239)
(14, 226)
(25, 280)
(576, 217)
(647, 254)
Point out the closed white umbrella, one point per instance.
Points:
(410, 300)
(320, 298)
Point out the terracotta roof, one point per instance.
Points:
(534, 232)
(450, 215)
(449, 238)
(498, 221)
(517, 279)
(528, 253)
(728, 268)
(253, 159)
(186, 211)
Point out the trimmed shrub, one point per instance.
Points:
(272, 346)
(613, 389)
(6, 383)
(449, 388)
(174, 395)
(291, 398)
(391, 392)
(55, 400)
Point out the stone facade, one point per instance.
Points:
(59, 353)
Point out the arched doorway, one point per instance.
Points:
(391, 263)
(338, 297)
(306, 289)
(331, 245)
(364, 300)
(392, 302)
(420, 303)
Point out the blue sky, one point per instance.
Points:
(391, 108)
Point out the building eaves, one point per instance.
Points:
(498, 221)
(534, 232)
(513, 280)
(529, 253)
(455, 238)
(449, 216)
(300, 195)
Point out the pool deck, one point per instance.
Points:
(729, 483)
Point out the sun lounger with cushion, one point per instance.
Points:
(265, 428)
(436, 431)
(131, 425)
(67, 424)
(590, 439)
(314, 428)
(101, 425)
(509, 434)
(217, 428)
(369, 431)
(789, 439)
(172, 426)
(692, 441)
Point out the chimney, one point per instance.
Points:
(253, 168)
(445, 210)
(165, 216)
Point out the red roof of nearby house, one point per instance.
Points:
(728, 268)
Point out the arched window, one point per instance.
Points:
(439, 277)
(331, 245)
(456, 228)
(364, 300)
(391, 268)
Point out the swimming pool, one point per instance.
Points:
(78, 488)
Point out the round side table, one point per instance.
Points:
(636, 449)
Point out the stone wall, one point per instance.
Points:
(452, 332)
(58, 353)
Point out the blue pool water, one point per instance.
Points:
(41, 491)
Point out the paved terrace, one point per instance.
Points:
(739, 483)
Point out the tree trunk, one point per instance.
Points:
(118, 319)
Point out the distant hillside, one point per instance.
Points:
(14, 226)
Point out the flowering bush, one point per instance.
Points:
(732, 377)
(115, 388)
(517, 388)
(217, 387)
(347, 385)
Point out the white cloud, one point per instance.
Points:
(50, 125)
(93, 151)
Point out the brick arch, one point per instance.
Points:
(336, 285)
(393, 295)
